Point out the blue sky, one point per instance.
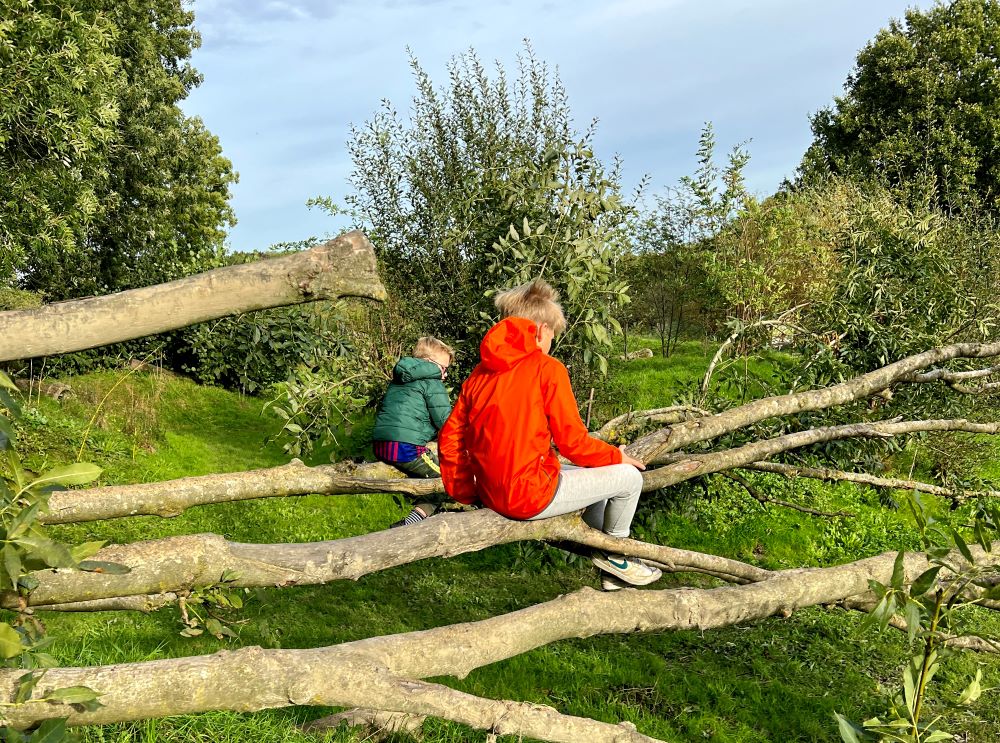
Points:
(284, 80)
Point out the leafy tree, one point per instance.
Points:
(58, 111)
(484, 186)
(920, 107)
(111, 185)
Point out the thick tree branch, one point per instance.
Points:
(621, 425)
(367, 673)
(653, 448)
(695, 465)
(342, 267)
(178, 564)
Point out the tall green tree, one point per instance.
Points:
(486, 184)
(112, 185)
(921, 107)
(59, 89)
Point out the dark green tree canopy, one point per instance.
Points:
(108, 184)
(922, 108)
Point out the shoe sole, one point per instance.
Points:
(621, 575)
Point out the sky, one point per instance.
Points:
(285, 79)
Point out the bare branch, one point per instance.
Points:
(672, 414)
(758, 496)
(863, 478)
(178, 564)
(344, 266)
(695, 465)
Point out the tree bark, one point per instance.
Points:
(177, 564)
(341, 267)
(371, 673)
(654, 448)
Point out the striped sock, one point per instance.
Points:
(415, 517)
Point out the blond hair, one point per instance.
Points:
(428, 346)
(536, 300)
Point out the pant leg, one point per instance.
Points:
(610, 495)
(425, 466)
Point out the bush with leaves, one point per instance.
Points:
(24, 547)
(933, 609)
(445, 195)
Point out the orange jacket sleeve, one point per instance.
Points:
(567, 428)
(456, 467)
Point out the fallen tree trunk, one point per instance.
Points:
(341, 267)
(177, 564)
(172, 497)
(354, 674)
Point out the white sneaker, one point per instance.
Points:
(633, 572)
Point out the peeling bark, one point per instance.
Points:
(341, 267)
(863, 478)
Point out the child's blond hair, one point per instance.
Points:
(536, 300)
(429, 346)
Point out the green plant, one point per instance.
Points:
(931, 608)
(209, 609)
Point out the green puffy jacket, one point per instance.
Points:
(416, 404)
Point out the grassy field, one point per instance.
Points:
(775, 680)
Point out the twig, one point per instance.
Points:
(765, 499)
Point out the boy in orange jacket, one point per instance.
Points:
(496, 447)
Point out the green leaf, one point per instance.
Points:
(78, 473)
(100, 566)
(213, 626)
(25, 685)
(962, 546)
(972, 692)
(913, 616)
(50, 731)
(72, 695)
(85, 550)
(53, 554)
(849, 732)
(6, 433)
(11, 564)
(924, 581)
(897, 571)
(10, 642)
(5, 382)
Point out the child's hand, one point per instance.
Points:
(626, 459)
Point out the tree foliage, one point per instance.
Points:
(112, 186)
(921, 106)
(485, 185)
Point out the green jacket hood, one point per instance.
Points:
(409, 369)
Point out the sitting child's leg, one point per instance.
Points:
(610, 496)
(425, 466)
(619, 485)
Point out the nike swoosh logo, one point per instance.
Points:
(623, 565)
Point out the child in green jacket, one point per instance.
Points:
(412, 412)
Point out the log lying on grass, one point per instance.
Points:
(172, 497)
(177, 564)
(343, 267)
(373, 673)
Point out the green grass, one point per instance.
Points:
(775, 680)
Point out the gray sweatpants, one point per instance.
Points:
(610, 495)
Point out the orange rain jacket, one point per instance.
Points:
(496, 447)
